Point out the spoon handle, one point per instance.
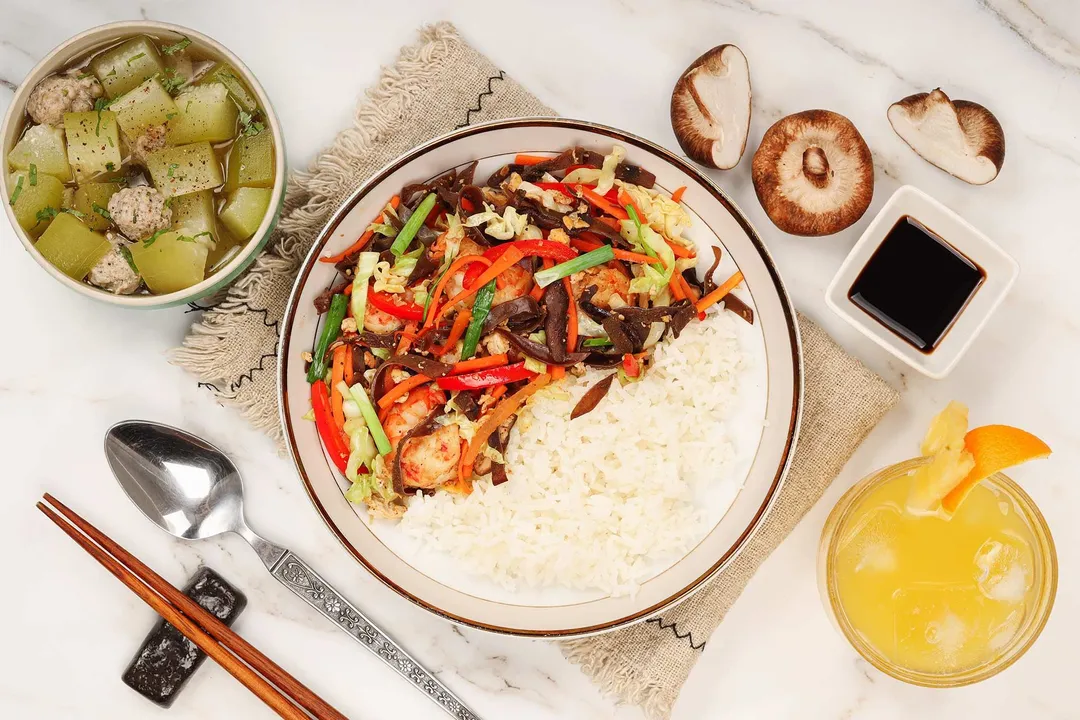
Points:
(297, 575)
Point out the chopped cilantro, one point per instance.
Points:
(17, 192)
(84, 75)
(73, 211)
(33, 174)
(170, 116)
(176, 47)
(99, 105)
(133, 58)
(171, 81)
(186, 238)
(153, 238)
(172, 169)
(204, 232)
(46, 213)
(110, 166)
(123, 250)
(101, 211)
(250, 125)
(111, 73)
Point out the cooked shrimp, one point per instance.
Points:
(431, 460)
(611, 285)
(380, 322)
(404, 415)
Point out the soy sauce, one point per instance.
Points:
(916, 284)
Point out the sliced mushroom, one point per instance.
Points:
(962, 138)
(710, 107)
(813, 173)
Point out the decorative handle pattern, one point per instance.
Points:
(297, 575)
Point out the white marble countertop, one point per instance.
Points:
(72, 367)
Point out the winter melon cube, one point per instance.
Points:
(244, 210)
(93, 141)
(205, 112)
(71, 246)
(43, 147)
(225, 74)
(251, 162)
(184, 169)
(194, 216)
(92, 200)
(32, 203)
(170, 262)
(123, 67)
(147, 105)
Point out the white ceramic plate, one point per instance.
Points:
(763, 428)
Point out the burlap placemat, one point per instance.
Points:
(439, 84)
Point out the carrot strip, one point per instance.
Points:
(676, 288)
(524, 159)
(624, 255)
(461, 323)
(364, 239)
(498, 392)
(601, 202)
(407, 337)
(677, 195)
(538, 292)
(401, 388)
(512, 256)
(688, 289)
(450, 271)
(349, 372)
(680, 250)
(461, 484)
(718, 294)
(610, 222)
(348, 291)
(480, 363)
(337, 374)
(501, 414)
(571, 322)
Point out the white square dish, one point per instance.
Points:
(999, 269)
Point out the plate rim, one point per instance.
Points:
(616, 134)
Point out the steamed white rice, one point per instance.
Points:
(603, 501)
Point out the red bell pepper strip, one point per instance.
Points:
(390, 306)
(486, 378)
(630, 365)
(474, 271)
(534, 248)
(332, 438)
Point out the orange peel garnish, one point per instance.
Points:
(995, 448)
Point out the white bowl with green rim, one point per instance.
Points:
(100, 37)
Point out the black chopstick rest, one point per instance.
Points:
(167, 659)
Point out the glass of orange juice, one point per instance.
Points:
(933, 600)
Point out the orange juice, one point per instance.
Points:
(931, 599)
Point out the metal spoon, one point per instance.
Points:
(190, 489)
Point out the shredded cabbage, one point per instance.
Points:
(365, 268)
(588, 327)
(383, 229)
(655, 277)
(582, 176)
(501, 227)
(607, 172)
(662, 214)
(551, 199)
(394, 279)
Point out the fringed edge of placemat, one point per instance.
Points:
(618, 679)
(309, 200)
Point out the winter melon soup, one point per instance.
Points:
(142, 167)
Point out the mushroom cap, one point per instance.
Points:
(962, 138)
(813, 173)
(710, 107)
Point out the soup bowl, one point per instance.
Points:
(85, 44)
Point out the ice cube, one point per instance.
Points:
(947, 633)
(1003, 569)
(1003, 633)
(927, 625)
(870, 543)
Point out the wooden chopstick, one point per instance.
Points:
(195, 623)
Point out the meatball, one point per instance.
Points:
(113, 272)
(152, 140)
(61, 94)
(139, 212)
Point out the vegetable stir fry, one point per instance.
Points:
(462, 299)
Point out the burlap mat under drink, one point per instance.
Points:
(439, 84)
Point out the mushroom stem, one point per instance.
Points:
(815, 166)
